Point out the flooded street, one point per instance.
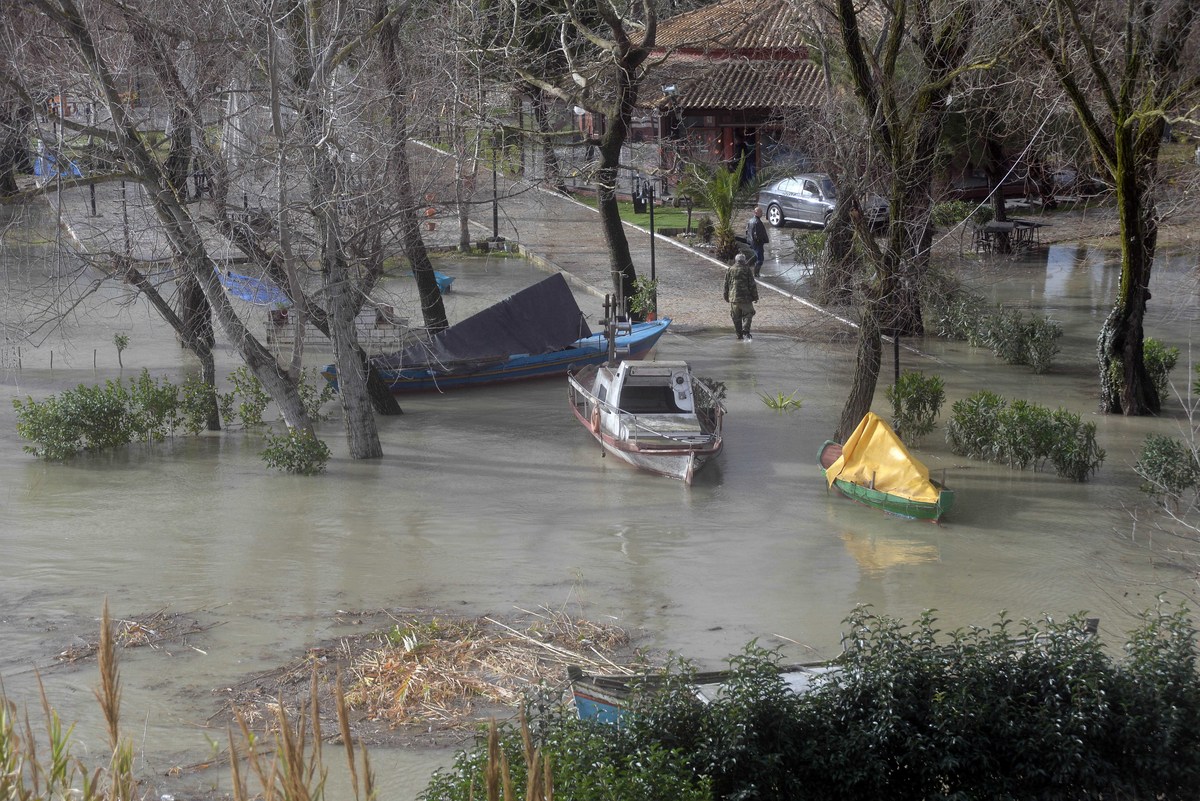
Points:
(494, 499)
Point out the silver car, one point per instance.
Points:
(811, 198)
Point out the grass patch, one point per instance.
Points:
(664, 216)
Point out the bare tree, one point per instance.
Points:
(902, 87)
(600, 63)
(1127, 68)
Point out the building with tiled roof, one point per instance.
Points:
(729, 75)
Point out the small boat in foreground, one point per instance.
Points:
(655, 416)
(874, 468)
(605, 697)
(535, 333)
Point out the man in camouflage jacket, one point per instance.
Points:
(741, 291)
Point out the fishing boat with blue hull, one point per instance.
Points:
(875, 468)
(538, 332)
(606, 697)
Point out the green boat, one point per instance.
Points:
(874, 468)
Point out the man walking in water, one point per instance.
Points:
(741, 291)
(756, 237)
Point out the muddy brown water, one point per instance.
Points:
(490, 500)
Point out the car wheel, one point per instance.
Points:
(828, 218)
(775, 215)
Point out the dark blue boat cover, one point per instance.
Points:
(538, 319)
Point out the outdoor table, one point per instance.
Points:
(1007, 236)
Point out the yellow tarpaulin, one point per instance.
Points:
(873, 453)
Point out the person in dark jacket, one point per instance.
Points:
(756, 237)
(742, 292)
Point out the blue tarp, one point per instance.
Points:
(258, 291)
(46, 166)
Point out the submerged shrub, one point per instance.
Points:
(246, 402)
(985, 426)
(197, 402)
(1169, 466)
(1074, 452)
(916, 402)
(1159, 360)
(1030, 709)
(974, 423)
(296, 452)
(98, 418)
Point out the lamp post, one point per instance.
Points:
(654, 291)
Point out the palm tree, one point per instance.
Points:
(720, 189)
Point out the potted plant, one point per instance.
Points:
(644, 302)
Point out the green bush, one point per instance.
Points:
(958, 316)
(955, 313)
(196, 402)
(950, 213)
(250, 398)
(98, 418)
(916, 402)
(808, 245)
(1040, 338)
(315, 392)
(1029, 710)
(1016, 340)
(984, 426)
(1074, 453)
(589, 762)
(1159, 360)
(297, 452)
(1169, 466)
(974, 426)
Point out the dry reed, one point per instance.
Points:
(435, 671)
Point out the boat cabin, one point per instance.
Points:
(647, 388)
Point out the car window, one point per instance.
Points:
(828, 189)
(788, 186)
(810, 189)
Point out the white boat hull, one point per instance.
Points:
(675, 444)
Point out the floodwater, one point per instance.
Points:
(491, 500)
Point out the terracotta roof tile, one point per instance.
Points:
(739, 84)
(738, 26)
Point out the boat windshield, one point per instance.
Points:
(649, 400)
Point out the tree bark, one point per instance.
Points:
(432, 307)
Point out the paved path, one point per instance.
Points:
(564, 234)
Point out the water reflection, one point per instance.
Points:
(878, 552)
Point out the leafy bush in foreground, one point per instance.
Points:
(1033, 710)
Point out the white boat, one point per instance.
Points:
(654, 415)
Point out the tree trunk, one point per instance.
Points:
(178, 164)
(432, 308)
(1125, 386)
(15, 118)
(552, 173)
(866, 375)
(195, 335)
(620, 259)
(836, 271)
(340, 288)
